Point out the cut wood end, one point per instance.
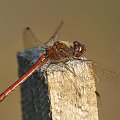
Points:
(72, 91)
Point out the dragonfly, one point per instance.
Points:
(56, 51)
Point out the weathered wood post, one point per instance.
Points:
(65, 93)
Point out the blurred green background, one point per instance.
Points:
(95, 23)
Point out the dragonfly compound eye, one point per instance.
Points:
(78, 49)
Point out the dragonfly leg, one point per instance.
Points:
(97, 93)
(43, 74)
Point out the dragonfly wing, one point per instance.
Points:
(33, 45)
(55, 36)
(29, 39)
(105, 75)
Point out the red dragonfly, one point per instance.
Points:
(56, 51)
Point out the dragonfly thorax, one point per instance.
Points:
(60, 52)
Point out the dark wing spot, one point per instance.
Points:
(27, 28)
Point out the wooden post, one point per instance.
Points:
(72, 92)
(66, 93)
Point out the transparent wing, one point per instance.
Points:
(33, 46)
(105, 75)
(29, 39)
(55, 36)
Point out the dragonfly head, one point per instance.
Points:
(78, 49)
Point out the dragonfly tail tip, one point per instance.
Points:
(2, 97)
